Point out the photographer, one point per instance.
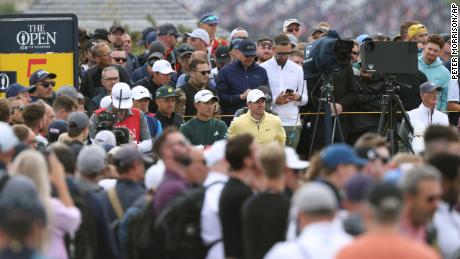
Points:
(123, 116)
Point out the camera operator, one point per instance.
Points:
(344, 99)
(126, 117)
(369, 88)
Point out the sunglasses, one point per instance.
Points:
(293, 30)
(204, 72)
(284, 54)
(120, 59)
(210, 18)
(46, 85)
(355, 53)
(266, 45)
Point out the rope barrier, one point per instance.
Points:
(322, 113)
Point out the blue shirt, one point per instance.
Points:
(437, 73)
(233, 80)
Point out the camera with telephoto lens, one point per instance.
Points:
(326, 55)
(107, 121)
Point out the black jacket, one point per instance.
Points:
(91, 80)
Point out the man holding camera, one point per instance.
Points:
(286, 82)
(126, 117)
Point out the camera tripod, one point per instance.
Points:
(388, 126)
(325, 100)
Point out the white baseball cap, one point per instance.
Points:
(8, 139)
(154, 175)
(162, 66)
(121, 96)
(216, 152)
(205, 96)
(139, 92)
(288, 22)
(255, 95)
(105, 102)
(293, 161)
(200, 34)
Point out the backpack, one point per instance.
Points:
(178, 227)
(140, 231)
(84, 244)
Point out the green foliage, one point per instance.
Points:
(7, 8)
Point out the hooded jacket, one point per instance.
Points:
(437, 73)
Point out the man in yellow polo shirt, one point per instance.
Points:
(265, 127)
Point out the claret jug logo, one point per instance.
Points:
(36, 38)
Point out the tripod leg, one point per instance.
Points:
(337, 121)
(327, 123)
(382, 119)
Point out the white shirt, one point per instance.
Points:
(211, 229)
(447, 225)
(452, 93)
(281, 78)
(321, 240)
(423, 115)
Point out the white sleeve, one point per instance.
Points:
(145, 146)
(453, 92)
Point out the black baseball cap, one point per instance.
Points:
(247, 47)
(100, 34)
(184, 48)
(39, 75)
(165, 91)
(168, 29)
(117, 27)
(145, 32)
(222, 54)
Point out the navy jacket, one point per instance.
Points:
(233, 80)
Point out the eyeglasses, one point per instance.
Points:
(210, 18)
(48, 84)
(355, 53)
(112, 79)
(204, 72)
(118, 59)
(293, 30)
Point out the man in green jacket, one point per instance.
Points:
(203, 129)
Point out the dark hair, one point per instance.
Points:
(21, 131)
(65, 156)
(238, 148)
(5, 110)
(447, 164)
(436, 39)
(438, 132)
(160, 142)
(195, 62)
(33, 113)
(282, 39)
(405, 26)
(64, 102)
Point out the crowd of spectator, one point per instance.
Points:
(199, 147)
